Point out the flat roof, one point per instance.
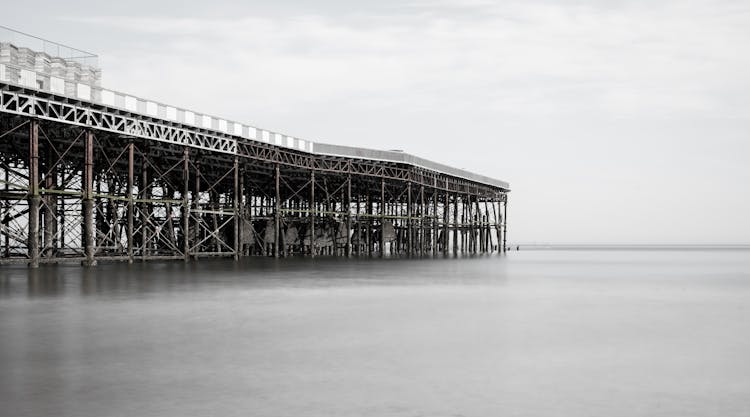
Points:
(405, 158)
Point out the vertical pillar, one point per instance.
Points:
(382, 217)
(348, 203)
(277, 216)
(505, 221)
(446, 219)
(455, 224)
(33, 197)
(498, 232)
(195, 235)
(131, 199)
(422, 219)
(487, 229)
(358, 250)
(478, 243)
(145, 212)
(312, 214)
(88, 200)
(185, 203)
(431, 224)
(368, 222)
(6, 204)
(236, 207)
(409, 237)
(243, 213)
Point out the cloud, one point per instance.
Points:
(520, 58)
(608, 115)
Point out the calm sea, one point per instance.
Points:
(533, 333)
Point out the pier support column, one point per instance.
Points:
(185, 203)
(446, 219)
(382, 217)
(478, 228)
(88, 200)
(435, 226)
(145, 212)
(277, 217)
(368, 224)
(33, 197)
(421, 230)
(358, 248)
(498, 232)
(194, 235)
(348, 204)
(409, 237)
(312, 214)
(244, 213)
(131, 200)
(455, 224)
(236, 208)
(505, 222)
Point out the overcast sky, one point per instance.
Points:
(613, 121)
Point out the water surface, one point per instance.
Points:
(537, 333)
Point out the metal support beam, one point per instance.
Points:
(33, 196)
(455, 224)
(312, 214)
(185, 203)
(277, 216)
(434, 240)
(409, 211)
(505, 222)
(236, 207)
(382, 217)
(421, 229)
(446, 220)
(348, 205)
(88, 200)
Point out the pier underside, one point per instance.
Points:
(76, 190)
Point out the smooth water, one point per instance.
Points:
(538, 333)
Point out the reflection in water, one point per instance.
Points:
(534, 333)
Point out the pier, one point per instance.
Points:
(90, 174)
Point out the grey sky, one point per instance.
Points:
(613, 121)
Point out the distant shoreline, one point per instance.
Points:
(628, 247)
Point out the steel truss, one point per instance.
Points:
(81, 182)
